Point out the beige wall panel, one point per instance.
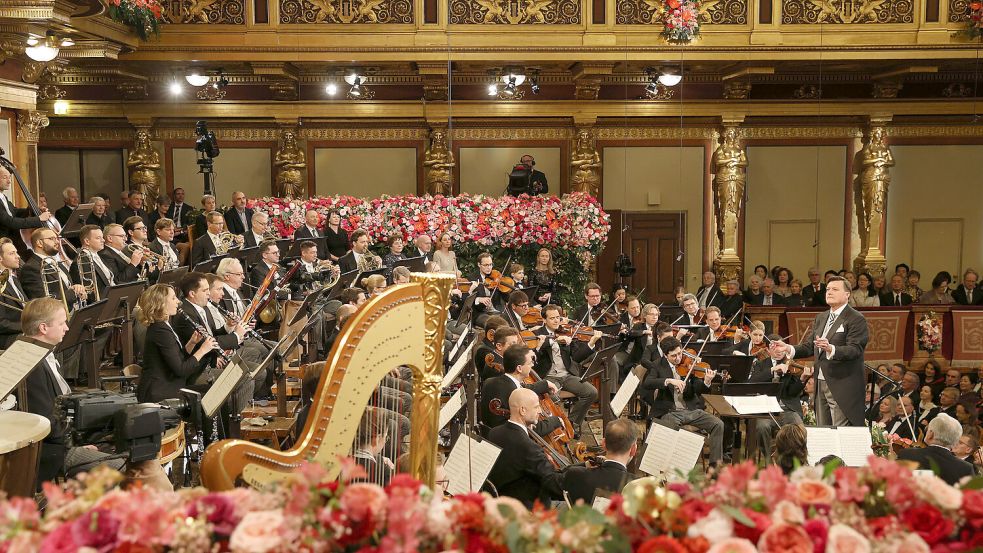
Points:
(6, 136)
(486, 170)
(937, 243)
(785, 239)
(785, 185)
(935, 182)
(58, 169)
(365, 172)
(103, 172)
(671, 178)
(245, 169)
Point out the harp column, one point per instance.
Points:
(426, 379)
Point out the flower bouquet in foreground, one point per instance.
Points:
(879, 508)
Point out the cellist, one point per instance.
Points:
(517, 363)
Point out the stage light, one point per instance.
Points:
(45, 50)
(175, 88)
(670, 77)
(196, 79)
(509, 89)
(534, 84)
(493, 90)
(356, 89)
(518, 78)
(331, 89)
(61, 107)
(354, 78)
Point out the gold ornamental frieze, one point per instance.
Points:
(959, 11)
(346, 11)
(654, 133)
(228, 12)
(545, 133)
(649, 12)
(847, 11)
(515, 12)
(390, 134)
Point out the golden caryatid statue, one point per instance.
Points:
(730, 165)
(874, 180)
(439, 163)
(289, 162)
(144, 163)
(586, 164)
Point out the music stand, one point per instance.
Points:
(283, 244)
(121, 296)
(76, 220)
(737, 366)
(716, 348)
(344, 281)
(84, 321)
(670, 313)
(751, 389)
(308, 306)
(294, 250)
(212, 264)
(414, 264)
(248, 257)
(172, 276)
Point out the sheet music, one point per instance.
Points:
(754, 405)
(852, 444)
(469, 464)
(821, 442)
(689, 447)
(457, 345)
(449, 409)
(221, 388)
(601, 503)
(625, 393)
(661, 441)
(15, 364)
(452, 374)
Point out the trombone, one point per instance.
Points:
(87, 273)
(4, 277)
(51, 275)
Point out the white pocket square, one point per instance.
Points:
(841, 329)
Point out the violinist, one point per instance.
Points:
(558, 360)
(592, 311)
(518, 361)
(488, 301)
(692, 314)
(753, 344)
(517, 308)
(714, 326)
(774, 368)
(522, 470)
(619, 295)
(491, 363)
(620, 445)
(733, 301)
(654, 352)
(486, 344)
(678, 401)
(638, 339)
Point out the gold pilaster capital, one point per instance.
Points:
(29, 125)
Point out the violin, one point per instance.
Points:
(464, 285)
(581, 333)
(699, 370)
(533, 317)
(793, 367)
(729, 332)
(495, 281)
(758, 349)
(529, 338)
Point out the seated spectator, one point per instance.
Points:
(939, 294)
(911, 284)
(942, 435)
(783, 282)
(863, 295)
(934, 379)
(795, 298)
(966, 293)
(752, 294)
(968, 448)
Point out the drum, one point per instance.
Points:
(172, 444)
(20, 447)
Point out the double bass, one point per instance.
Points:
(51, 223)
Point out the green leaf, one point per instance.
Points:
(737, 515)
(976, 483)
(830, 467)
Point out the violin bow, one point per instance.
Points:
(507, 262)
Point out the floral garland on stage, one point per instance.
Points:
(143, 16)
(879, 508)
(572, 226)
(681, 21)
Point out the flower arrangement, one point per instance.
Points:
(143, 16)
(681, 21)
(883, 443)
(929, 332)
(573, 226)
(975, 21)
(883, 507)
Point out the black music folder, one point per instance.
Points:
(76, 220)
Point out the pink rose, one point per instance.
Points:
(60, 540)
(934, 489)
(733, 545)
(785, 538)
(96, 529)
(843, 539)
(716, 526)
(258, 532)
(818, 530)
(788, 513)
(813, 492)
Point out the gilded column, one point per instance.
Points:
(870, 195)
(438, 163)
(144, 165)
(290, 163)
(730, 178)
(29, 125)
(585, 163)
(426, 379)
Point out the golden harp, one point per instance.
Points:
(403, 326)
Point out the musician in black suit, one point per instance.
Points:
(134, 208)
(537, 180)
(14, 219)
(269, 257)
(125, 266)
(905, 423)
(194, 292)
(256, 235)
(167, 364)
(775, 368)
(12, 298)
(620, 445)
(46, 248)
(71, 197)
(558, 359)
(637, 340)
(814, 293)
(517, 363)
(206, 245)
(896, 296)
(592, 304)
(692, 316)
(943, 433)
(163, 243)
(653, 352)
(517, 307)
(838, 338)
(351, 261)
(676, 400)
(732, 300)
(180, 213)
(966, 293)
(487, 301)
(238, 218)
(522, 470)
(45, 320)
(92, 243)
(370, 441)
(100, 215)
(490, 363)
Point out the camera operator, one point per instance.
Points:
(537, 181)
(46, 321)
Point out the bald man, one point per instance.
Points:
(522, 470)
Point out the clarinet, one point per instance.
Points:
(201, 330)
(251, 332)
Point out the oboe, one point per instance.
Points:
(201, 330)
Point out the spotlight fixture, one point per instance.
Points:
(514, 78)
(331, 89)
(670, 76)
(175, 88)
(61, 107)
(534, 83)
(356, 89)
(47, 48)
(222, 81)
(493, 90)
(513, 82)
(197, 79)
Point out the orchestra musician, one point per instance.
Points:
(637, 340)
(126, 267)
(252, 351)
(163, 243)
(654, 352)
(558, 359)
(207, 244)
(46, 248)
(486, 343)
(269, 257)
(522, 470)
(256, 234)
(517, 363)
(93, 243)
(632, 314)
(679, 399)
(620, 446)
(14, 219)
(194, 299)
(370, 441)
(13, 298)
(774, 368)
(488, 301)
(752, 343)
(592, 311)
(490, 363)
(692, 314)
(518, 306)
(136, 232)
(238, 218)
(838, 338)
(352, 260)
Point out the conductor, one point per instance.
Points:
(837, 339)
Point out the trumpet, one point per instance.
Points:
(87, 273)
(149, 255)
(4, 277)
(227, 241)
(50, 275)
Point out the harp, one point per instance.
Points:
(402, 326)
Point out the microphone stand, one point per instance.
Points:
(874, 374)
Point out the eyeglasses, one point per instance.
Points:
(139, 228)
(523, 305)
(236, 274)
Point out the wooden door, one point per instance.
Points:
(653, 241)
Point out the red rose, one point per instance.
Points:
(785, 538)
(661, 544)
(973, 508)
(752, 533)
(928, 522)
(818, 530)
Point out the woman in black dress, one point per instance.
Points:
(337, 237)
(544, 276)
